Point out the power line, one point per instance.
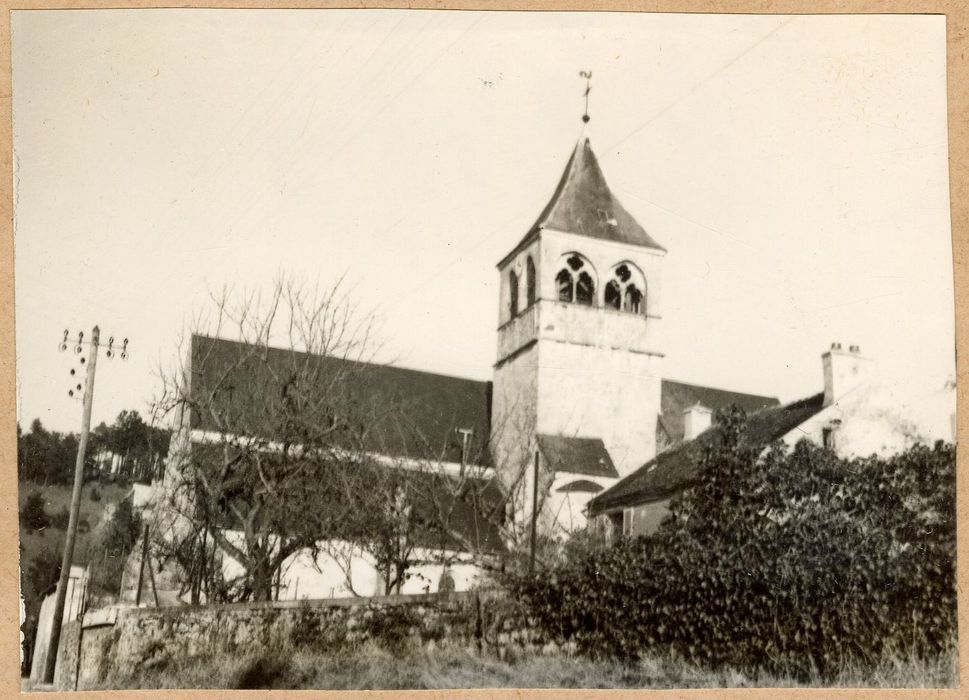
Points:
(699, 85)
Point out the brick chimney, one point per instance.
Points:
(844, 371)
(696, 419)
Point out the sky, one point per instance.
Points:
(794, 167)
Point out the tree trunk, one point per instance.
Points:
(262, 580)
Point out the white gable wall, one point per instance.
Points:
(872, 419)
(327, 576)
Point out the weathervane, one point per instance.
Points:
(588, 88)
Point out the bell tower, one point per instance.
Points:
(579, 361)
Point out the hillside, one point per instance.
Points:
(41, 550)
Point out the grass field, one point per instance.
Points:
(374, 668)
(49, 542)
(57, 498)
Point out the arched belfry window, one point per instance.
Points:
(575, 281)
(529, 281)
(513, 293)
(626, 291)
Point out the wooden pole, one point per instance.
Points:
(141, 567)
(55, 630)
(531, 553)
(151, 577)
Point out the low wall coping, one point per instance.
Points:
(100, 617)
(108, 616)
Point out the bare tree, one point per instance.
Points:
(266, 429)
(285, 445)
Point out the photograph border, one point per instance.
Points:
(957, 76)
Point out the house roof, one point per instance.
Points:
(583, 203)
(675, 469)
(676, 397)
(575, 455)
(406, 412)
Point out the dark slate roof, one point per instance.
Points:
(583, 203)
(576, 455)
(407, 412)
(674, 470)
(580, 486)
(449, 511)
(676, 397)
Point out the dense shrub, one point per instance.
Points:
(94, 495)
(795, 563)
(61, 519)
(391, 626)
(32, 515)
(113, 545)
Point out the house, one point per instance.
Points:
(856, 415)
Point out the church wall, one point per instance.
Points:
(518, 264)
(568, 508)
(304, 579)
(514, 401)
(588, 391)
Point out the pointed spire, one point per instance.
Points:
(583, 204)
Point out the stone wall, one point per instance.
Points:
(114, 641)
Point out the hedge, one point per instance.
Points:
(791, 562)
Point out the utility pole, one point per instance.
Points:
(88, 399)
(531, 553)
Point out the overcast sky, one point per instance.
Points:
(794, 168)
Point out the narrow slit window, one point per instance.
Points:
(585, 289)
(529, 281)
(513, 289)
(613, 295)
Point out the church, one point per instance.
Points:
(578, 400)
(578, 420)
(578, 381)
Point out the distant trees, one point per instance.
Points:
(138, 446)
(48, 457)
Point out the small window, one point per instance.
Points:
(627, 522)
(513, 289)
(563, 282)
(529, 281)
(827, 438)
